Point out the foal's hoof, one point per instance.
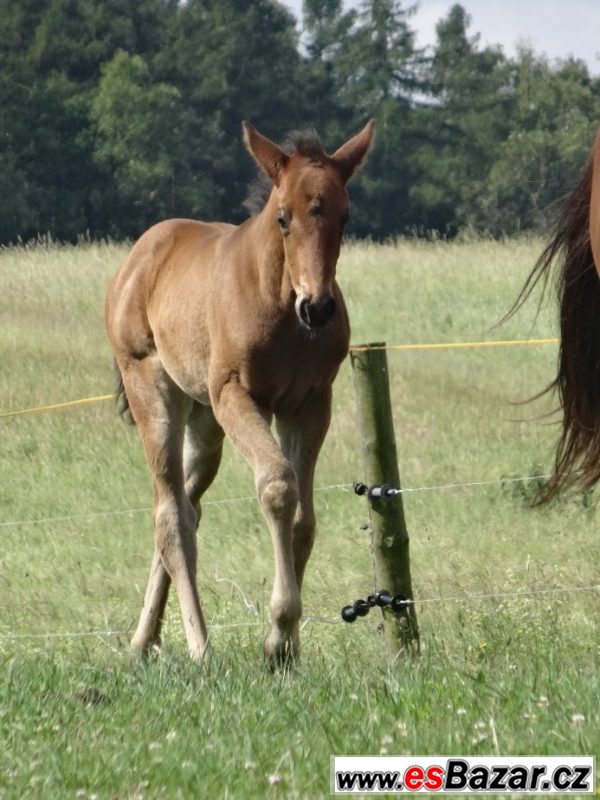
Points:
(281, 653)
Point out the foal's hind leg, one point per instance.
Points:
(161, 410)
(147, 633)
(202, 450)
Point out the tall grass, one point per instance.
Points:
(516, 673)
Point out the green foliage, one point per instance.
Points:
(326, 27)
(555, 116)
(139, 134)
(376, 63)
(471, 115)
(15, 212)
(326, 36)
(116, 114)
(232, 60)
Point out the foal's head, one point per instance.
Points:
(310, 208)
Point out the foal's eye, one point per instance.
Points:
(282, 220)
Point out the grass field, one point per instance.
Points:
(514, 674)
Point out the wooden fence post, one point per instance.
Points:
(389, 537)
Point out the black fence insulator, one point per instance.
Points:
(360, 608)
(383, 598)
(399, 602)
(383, 492)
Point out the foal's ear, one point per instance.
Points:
(351, 155)
(268, 155)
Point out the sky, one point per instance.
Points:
(559, 28)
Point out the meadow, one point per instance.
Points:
(512, 673)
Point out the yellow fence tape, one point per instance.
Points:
(69, 404)
(452, 345)
(353, 349)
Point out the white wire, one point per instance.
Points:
(65, 635)
(314, 618)
(226, 501)
(344, 486)
(68, 517)
(126, 632)
(441, 487)
(514, 595)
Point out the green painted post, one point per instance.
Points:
(389, 536)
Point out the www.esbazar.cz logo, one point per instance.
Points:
(469, 775)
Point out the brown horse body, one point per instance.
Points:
(574, 249)
(216, 329)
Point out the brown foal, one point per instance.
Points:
(217, 328)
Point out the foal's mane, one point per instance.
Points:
(303, 143)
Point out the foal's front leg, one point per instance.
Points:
(302, 435)
(277, 489)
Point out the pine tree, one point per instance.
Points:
(469, 117)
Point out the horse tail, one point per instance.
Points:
(122, 402)
(578, 378)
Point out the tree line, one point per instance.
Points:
(117, 113)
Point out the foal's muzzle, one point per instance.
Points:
(317, 313)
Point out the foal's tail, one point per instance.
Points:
(578, 378)
(123, 408)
